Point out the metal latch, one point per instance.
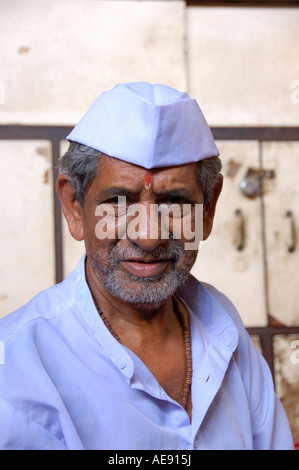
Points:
(252, 183)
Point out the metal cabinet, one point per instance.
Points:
(27, 242)
(252, 254)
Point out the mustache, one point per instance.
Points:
(172, 252)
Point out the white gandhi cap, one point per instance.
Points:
(148, 125)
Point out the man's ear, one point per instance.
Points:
(209, 210)
(72, 210)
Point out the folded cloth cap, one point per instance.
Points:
(148, 125)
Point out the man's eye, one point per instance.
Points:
(176, 208)
(172, 210)
(119, 205)
(113, 200)
(175, 200)
(179, 201)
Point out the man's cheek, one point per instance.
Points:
(186, 261)
(105, 227)
(193, 228)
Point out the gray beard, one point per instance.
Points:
(143, 291)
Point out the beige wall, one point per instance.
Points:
(242, 64)
(59, 55)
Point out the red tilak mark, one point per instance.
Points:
(147, 181)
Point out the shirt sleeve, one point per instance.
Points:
(18, 432)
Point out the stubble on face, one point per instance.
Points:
(141, 292)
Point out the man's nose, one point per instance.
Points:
(144, 227)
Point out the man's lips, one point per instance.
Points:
(143, 267)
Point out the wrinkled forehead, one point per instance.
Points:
(118, 178)
(115, 172)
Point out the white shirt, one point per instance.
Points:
(67, 383)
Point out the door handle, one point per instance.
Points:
(239, 236)
(291, 232)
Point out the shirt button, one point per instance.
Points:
(122, 364)
(230, 338)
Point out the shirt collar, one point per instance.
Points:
(211, 314)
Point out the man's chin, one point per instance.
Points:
(143, 293)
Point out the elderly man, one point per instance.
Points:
(130, 351)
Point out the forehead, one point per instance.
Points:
(113, 171)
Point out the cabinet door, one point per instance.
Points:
(27, 232)
(281, 198)
(237, 273)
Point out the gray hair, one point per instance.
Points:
(81, 164)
